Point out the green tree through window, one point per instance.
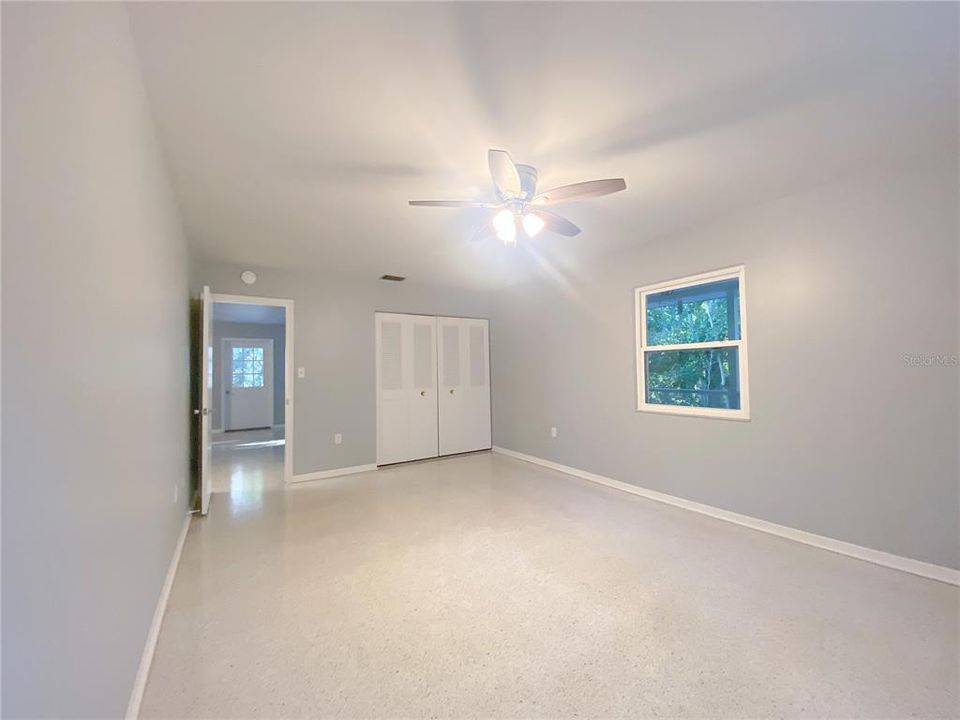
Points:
(690, 344)
(247, 367)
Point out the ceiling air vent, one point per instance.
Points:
(393, 278)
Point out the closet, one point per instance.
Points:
(433, 386)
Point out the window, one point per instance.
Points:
(692, 346)
(247, 367)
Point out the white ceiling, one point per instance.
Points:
(243, 313)
(296, 132)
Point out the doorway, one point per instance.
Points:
(247, 397)
(250, 381)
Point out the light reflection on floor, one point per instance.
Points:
(246, 466)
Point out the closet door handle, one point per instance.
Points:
(451, 391)
(423, 393)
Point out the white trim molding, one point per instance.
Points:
(153, 634)
(878, 557)
(336, 472)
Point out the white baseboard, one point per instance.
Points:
(140, 683)
(336, 472)
(897, 562)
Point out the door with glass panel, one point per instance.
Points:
(248, 383)
(406, 353)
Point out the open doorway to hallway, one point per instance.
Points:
(248, 378)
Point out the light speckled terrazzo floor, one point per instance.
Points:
(482, 586)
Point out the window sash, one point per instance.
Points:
(743, 413)
(248, 367)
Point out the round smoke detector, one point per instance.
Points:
(248, 276)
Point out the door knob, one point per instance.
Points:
(423, 393)
(451, 391)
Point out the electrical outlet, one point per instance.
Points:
(553, 432)
(337, 439)
(301, 373)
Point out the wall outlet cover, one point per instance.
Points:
(337, 439)
(301, 372)
(553, 432)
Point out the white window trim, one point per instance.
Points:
(641, 345)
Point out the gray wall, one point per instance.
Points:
(95, 322)
(846, 439)
(224, 329)
(334, 342)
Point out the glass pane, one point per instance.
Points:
(258, 354)
(256, 380)
(238, 379)
(699, 378)
(701, 313)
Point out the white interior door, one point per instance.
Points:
(464, 392)
(450, 366)
(406, 348)
(247, 381)
(421, 332)
(206, 389)
(476, 384)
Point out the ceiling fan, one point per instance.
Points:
(520, 203)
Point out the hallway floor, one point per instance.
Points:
(482, 586)
(247, 463)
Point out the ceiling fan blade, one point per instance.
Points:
(504, 174)
(580, 191)
(557, 224)
(451, 203)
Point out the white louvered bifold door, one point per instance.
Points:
(450, 361)
(477, 385)
(406, 387)
(422, 399)
(464, 372)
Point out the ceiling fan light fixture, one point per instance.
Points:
(506, 226)
(532, 224)
(519, 203)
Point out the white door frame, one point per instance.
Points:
(288, 371)
(224, 374)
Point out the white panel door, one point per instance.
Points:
(247, 381)
(422, 398)
(464, 374)
(206, 386)
(477, 385)
(406, 387)
(450, 372)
